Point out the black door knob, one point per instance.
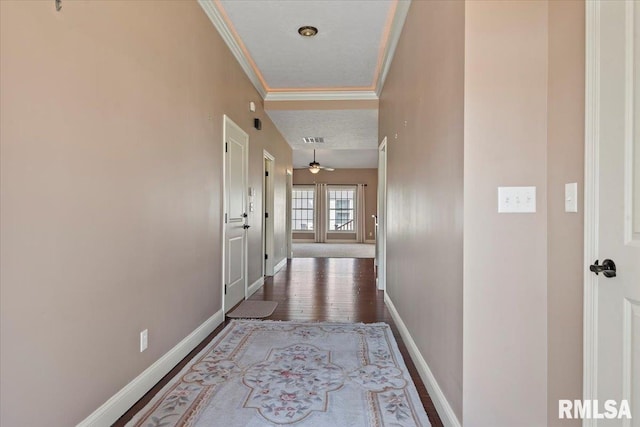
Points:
(246, 226)
(608, 268)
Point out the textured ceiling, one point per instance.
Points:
(341, 129)
(338, 159)
(346, 53)
(346, 61)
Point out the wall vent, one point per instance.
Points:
(313, 140)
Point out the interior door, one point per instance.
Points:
(267, 203)
(617, 328)
(235, 239)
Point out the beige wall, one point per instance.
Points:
(505, 255)
(111, 158)
(523, 125)
(421, 114)
(344, 176)
(565, 153)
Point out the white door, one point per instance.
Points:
(235, 237)
(267, 204)
(613, 197)
(381, 237)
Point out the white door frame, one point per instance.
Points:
(381, 238)
(591, 200)
(288, 230)
(225, 121)
(267, 206)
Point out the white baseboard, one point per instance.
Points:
(279, 266)
(255, 286)
(445, 411)
(120, 402)
(303, 241)
(370, 241)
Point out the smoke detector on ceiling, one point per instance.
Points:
(313, 140)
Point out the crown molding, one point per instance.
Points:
(402, 9)
(218, 21)
(358, 95)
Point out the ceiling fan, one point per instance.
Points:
(314, 167)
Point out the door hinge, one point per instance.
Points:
(226, 147)
(266, 214)
(266, 256)
(266, 173)
(225, 289)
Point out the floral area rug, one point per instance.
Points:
(261, 373)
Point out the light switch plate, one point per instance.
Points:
(571, 197)
(516, 199)
(144, 340)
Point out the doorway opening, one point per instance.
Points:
(333, 213)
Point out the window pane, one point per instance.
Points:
(341, 208)
(302, 209)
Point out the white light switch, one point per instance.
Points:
(144, 340)
(571, 197)
(516, 199)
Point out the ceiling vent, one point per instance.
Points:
(313, 140)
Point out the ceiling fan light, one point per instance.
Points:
(314, 169)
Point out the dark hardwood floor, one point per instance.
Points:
(320, 289)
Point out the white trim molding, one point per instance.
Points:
(591, 201)
(268, 207)
(279, 266)
(330, 94)
(445, 411)
(631, 238)
(120, 402)
(402, 9)
(255, 286)
(319, 95)
(217, 20)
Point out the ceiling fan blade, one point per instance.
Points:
(326, 168)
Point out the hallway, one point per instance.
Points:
(147, 180)
(320, 289)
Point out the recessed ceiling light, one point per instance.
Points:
(307, 31)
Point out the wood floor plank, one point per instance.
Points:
(317, 289)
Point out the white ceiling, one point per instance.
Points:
(338, 159)
(347, 60)
(345, 53)
(345, 132)
(341, 129)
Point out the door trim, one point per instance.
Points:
(631, 238)
(591, 200)
(267, 206)
(226, 120)
(381, 238)
(288, 230)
